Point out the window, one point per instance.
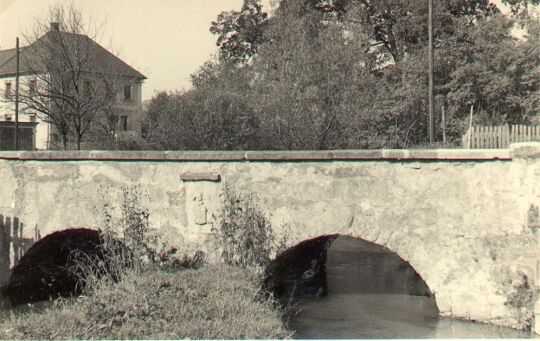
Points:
(7, 93)
(127, 92)
(32, 87)
(123, 123)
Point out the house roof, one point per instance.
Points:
(99, 58)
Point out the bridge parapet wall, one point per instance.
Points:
(461, 218)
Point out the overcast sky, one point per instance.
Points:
(166, 40)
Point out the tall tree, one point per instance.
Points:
(67, 83)
(312, 96)
(240, 32)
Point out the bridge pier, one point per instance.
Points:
(536, 310)
(531, 151)
(537, 317)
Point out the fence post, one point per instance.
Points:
(4, 252)
(23, 244)
(16, 241)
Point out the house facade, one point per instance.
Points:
(119, 118)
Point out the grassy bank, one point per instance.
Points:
(214, 302)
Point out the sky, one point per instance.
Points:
(166, 40)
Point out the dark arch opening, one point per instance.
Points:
(356, 265)
(305, 269)
(300, 270)
(352, 288)
(47, 270)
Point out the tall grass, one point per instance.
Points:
(214, 302)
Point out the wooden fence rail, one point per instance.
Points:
(12, 244)
(499, 136)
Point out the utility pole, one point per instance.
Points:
(430, 62)
(17, 99)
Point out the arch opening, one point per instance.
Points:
(368, 289)
(342, 264)
(48, 269)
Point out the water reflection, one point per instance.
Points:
(372, 293)
(384, 316)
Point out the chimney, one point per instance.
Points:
(55, 26)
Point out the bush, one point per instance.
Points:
(129, 243)
(244, 234)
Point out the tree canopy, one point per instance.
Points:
(322, 74)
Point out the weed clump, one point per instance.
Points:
(128, 225)
(520, 296)
(244, 235)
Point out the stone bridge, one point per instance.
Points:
(466, 220)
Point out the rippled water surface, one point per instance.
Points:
(373, 294)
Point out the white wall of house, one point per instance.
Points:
(7, 110)
(131, 108)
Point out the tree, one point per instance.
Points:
(494, 71)
(352, 74)
(317, 94)
(394, 27)
(215, 114)
(156, 112)
(356, 76)
(240, 33)
(68, 83)
(520, 8)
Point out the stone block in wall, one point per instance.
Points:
(203, 193)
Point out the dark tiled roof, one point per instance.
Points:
(99, 58)
(6, 55)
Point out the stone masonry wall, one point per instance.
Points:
(459, 217)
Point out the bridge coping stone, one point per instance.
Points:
(527, 150)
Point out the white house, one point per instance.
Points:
(37, 134)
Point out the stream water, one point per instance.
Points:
(372, 294)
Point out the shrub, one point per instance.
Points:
(129, 243)
(244, 234)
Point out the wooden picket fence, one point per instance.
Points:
(499, 136)
(12, 244)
